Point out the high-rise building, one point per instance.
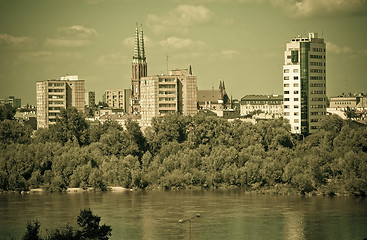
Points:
(139, 70)
(54, 95)
(163, 94)
(304, 83)
(91, 99)
(117, 99)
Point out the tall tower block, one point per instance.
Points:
(304, 83)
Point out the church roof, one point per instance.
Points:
(209, 95)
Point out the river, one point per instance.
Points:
(224, 214)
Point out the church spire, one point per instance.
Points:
(141, 42)
(136, 56)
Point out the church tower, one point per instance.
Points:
(139, 70)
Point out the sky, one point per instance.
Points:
(240, 42)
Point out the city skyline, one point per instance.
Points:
(238, 42)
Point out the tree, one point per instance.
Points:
(33, 230)
(7, 112)
(90, 229)
(71, 126)
(90, 226)
(14, 132)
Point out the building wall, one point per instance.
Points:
(91, 99)
(304, 83)
(269, 105)
(54, 95)
(116, 99)
(190, 95)
(164, 94)
(342, 103)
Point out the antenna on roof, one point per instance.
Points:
(167, 53)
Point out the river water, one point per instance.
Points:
(224, 214)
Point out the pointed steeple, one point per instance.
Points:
(141, 42)
(136, 45)
(224, 87)
(220, 85)
(190, 70)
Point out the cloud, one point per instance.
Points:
(78, 31)
(9, 40)
(57, 42)
(47, 56)
(180, 43)
(113, 58)
(179, 19)
(309, 8)
(226, 53)
(336, 49)
(72, 36)
(131, 40)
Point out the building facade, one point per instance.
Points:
(213, 99)
(163, 94)
(11, 100)
(139, 70)
(91, 99)
(118, 99)
(304, 83)
(54, 95)
(271, 106)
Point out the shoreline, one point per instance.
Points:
(265, 191)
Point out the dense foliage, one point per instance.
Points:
(184, 152)
(87, 222)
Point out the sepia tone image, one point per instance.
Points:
(183, 119)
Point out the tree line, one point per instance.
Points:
(184, 152)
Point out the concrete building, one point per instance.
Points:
(54, 95)
(91, 99)
(265, 106)
(118, 99)
(163, 94)
(304, 83)
(11, 100)
(139, 70)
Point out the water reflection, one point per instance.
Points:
(229, 214)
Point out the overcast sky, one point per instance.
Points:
(241, 42)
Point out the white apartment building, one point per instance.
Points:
(54, 95)
(304, 83)
(163, 94)
(118, 99)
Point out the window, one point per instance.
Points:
(286, 92)
(296, 114)
(295, 70)
(286, 106)
(295, 99)
(295, 78)
(295, 92)
(296, 128)
(296, 106)
(286, 70)
(286, 77)
(286, 84)
(286, 99)
(296, 121)
(286, 114)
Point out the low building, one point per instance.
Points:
(343, 102)
(214, 99)
(11, 100)
(267, 106)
